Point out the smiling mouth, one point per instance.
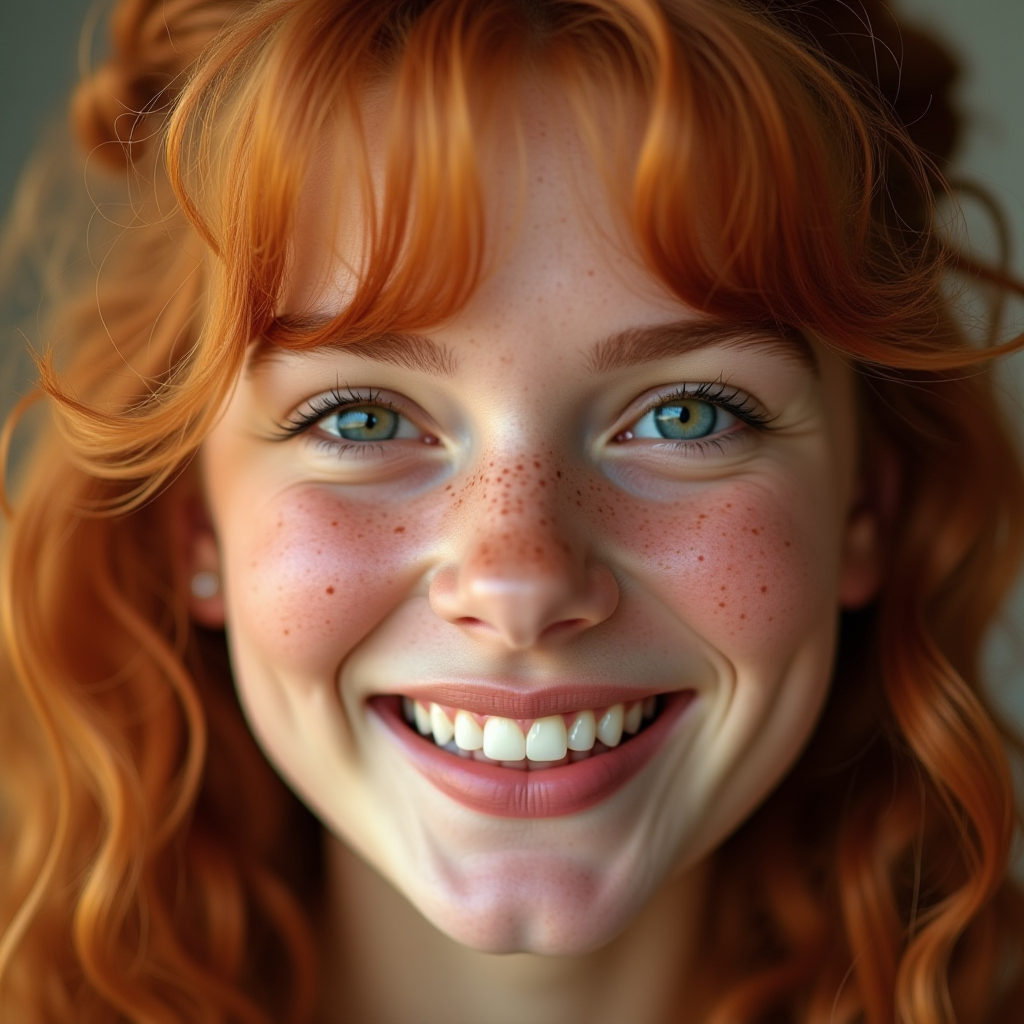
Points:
(530, 744)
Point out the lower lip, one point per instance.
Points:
(512, 793)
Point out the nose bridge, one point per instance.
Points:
(516, 536)
(522, 572)
(517, 505)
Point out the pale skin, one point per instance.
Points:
(525, 525)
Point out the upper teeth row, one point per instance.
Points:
(545, 739)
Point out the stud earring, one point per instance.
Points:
(204, 585)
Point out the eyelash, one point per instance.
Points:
(714, 393)
(732, 400)
(334, 401)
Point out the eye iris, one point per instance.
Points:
(685, 420)
(366, 423)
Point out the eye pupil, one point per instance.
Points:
(686, 420)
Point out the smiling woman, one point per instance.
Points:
(548, 434)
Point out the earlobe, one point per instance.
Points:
(861, 570)
(868, 529)
(198, 560)
(206, 596)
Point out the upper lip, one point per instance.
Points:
(518, 701)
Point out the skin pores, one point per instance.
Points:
(527, 531)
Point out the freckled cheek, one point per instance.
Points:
(312, 576)
(752, 576)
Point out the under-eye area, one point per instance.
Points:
(530, 744)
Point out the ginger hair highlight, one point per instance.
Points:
(147, 879)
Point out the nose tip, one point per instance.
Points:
(521, 602)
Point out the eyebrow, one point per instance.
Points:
(409, 351)
(638, 345)
(622, 350)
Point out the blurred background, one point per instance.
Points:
(42, 45)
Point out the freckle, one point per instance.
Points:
(742, 616)
(519, 468)
(700, 558)
(722, 588)
(330, 590)
(728, 504)
(558, 473)
(399, 529)
(721, 604)
(764, 590)
(788, 545)
(287, 632)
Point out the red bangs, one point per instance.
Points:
(750, 192)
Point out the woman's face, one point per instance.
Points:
(572, 511)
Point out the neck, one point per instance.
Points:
(385, 964)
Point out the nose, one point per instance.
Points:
(521, 579)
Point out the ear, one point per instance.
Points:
(199, 564)
(867, 530)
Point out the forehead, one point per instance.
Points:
(527, 170)
(545, 199)
(555, 237)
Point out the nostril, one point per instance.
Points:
(564, 626)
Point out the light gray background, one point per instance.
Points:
(39, 43)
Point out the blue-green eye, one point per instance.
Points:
(362, 423)
(683, 419)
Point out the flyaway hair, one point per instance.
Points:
(768, 185)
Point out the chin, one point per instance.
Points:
(555, 908)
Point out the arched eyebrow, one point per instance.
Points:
(410, 351)
(638, 345)
(631, 347)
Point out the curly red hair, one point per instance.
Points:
(142, 827)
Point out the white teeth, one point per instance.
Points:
(503, 740)
(631, 722)
(582, 732)
(422, 716)
(468, 734)
(546, 740)
(609, 729)
(443, 729)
